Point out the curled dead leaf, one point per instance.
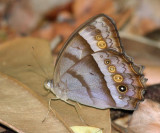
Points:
(146, 118)
(23, 111)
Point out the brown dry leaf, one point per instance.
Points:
(145, 19)
(153, 93)
(2, 129)
(82, 11)
(146, 119)
(25, 16)
(123, 121)
(21, 17)
(81, 7)
(29, 61)
(23, 111)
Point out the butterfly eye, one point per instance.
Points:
(122, 88)
(107, 61)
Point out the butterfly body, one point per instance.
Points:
(94, 70)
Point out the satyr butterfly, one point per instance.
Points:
(94, 70)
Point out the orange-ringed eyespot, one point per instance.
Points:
(122, 88)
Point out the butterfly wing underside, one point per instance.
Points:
(97, 34)
(92, 68)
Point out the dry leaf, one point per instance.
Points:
(23, 111)
(81, 7)
(146, 119)
(123, 121)
(24, 16)
(153, 93)
(2, 129)
(145, 19)
(82, 11)
(21, 17)
(29, 61)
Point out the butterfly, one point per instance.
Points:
(93, 69)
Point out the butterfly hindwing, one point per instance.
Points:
(124, 82)
(85, 84)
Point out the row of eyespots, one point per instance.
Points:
(111, 68)
(117, 77)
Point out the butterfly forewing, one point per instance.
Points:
(101, 33)
(76, 49)
(97, 34)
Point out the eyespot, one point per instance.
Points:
(122, 88)
(97, 31)
(101, 56)
(118, 78)
(99, 37)
(107, 61)
(101, 44)
(112, 69)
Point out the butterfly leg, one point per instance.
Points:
(56, 114)
(49, 108)
(69, 103)
(73, 105)
(101, 129)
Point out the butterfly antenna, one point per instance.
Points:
(35, 57)
(80, 117)
(36, 72)
(49, 109)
